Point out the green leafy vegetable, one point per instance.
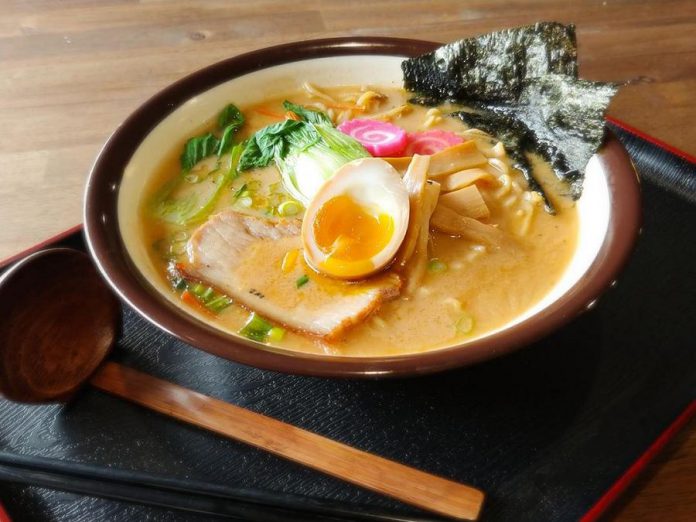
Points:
(229, 121)
(268, 143)
(231, 173)
(230, 117)
(310, 115)
(302, 280)
(187, 209)
(175, 204)
(197, 149)
(307, 152)
(170, 209)
(307, 165)
(226, 142)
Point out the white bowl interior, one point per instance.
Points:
(593, 207)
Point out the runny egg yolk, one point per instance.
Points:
(350, 235)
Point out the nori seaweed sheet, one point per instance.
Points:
(559, 118)
(522, 84)
(493, 66)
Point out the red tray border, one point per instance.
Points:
(627, 478)
(631, 474)
(651, 139)
(4, 517)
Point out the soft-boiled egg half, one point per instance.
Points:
(357, 220)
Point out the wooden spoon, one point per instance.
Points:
(59, 322)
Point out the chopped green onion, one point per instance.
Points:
(218, 304)
(206, 295)
(465, 324)
(276, 334)
(289, 208)
(435, 265)
(302, 280)
(256, 328)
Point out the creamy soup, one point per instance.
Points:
(472, 284)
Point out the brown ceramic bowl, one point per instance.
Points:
(609, 208)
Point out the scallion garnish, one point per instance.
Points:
(289, 208)
(197, 293)
(218, 304)
(435, 265)
(302, 280)
(276, 334)
(256, 328)
(465, 324)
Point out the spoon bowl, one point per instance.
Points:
(60, 321)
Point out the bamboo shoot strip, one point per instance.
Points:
(467, 202)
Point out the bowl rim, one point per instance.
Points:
(107, 248)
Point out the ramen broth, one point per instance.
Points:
(469, 289)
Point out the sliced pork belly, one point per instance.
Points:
(242, 256)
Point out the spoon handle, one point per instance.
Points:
(370, 471)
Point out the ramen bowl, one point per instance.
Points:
(608, 210)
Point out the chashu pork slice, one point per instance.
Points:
(243, 255)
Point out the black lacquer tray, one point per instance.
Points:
(545, 432)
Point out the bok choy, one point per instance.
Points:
(185, 203)
(205, 172)
(229, 121)
(307, 151)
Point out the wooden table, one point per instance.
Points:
(70, 71)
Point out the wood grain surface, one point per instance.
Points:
(71, 70)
